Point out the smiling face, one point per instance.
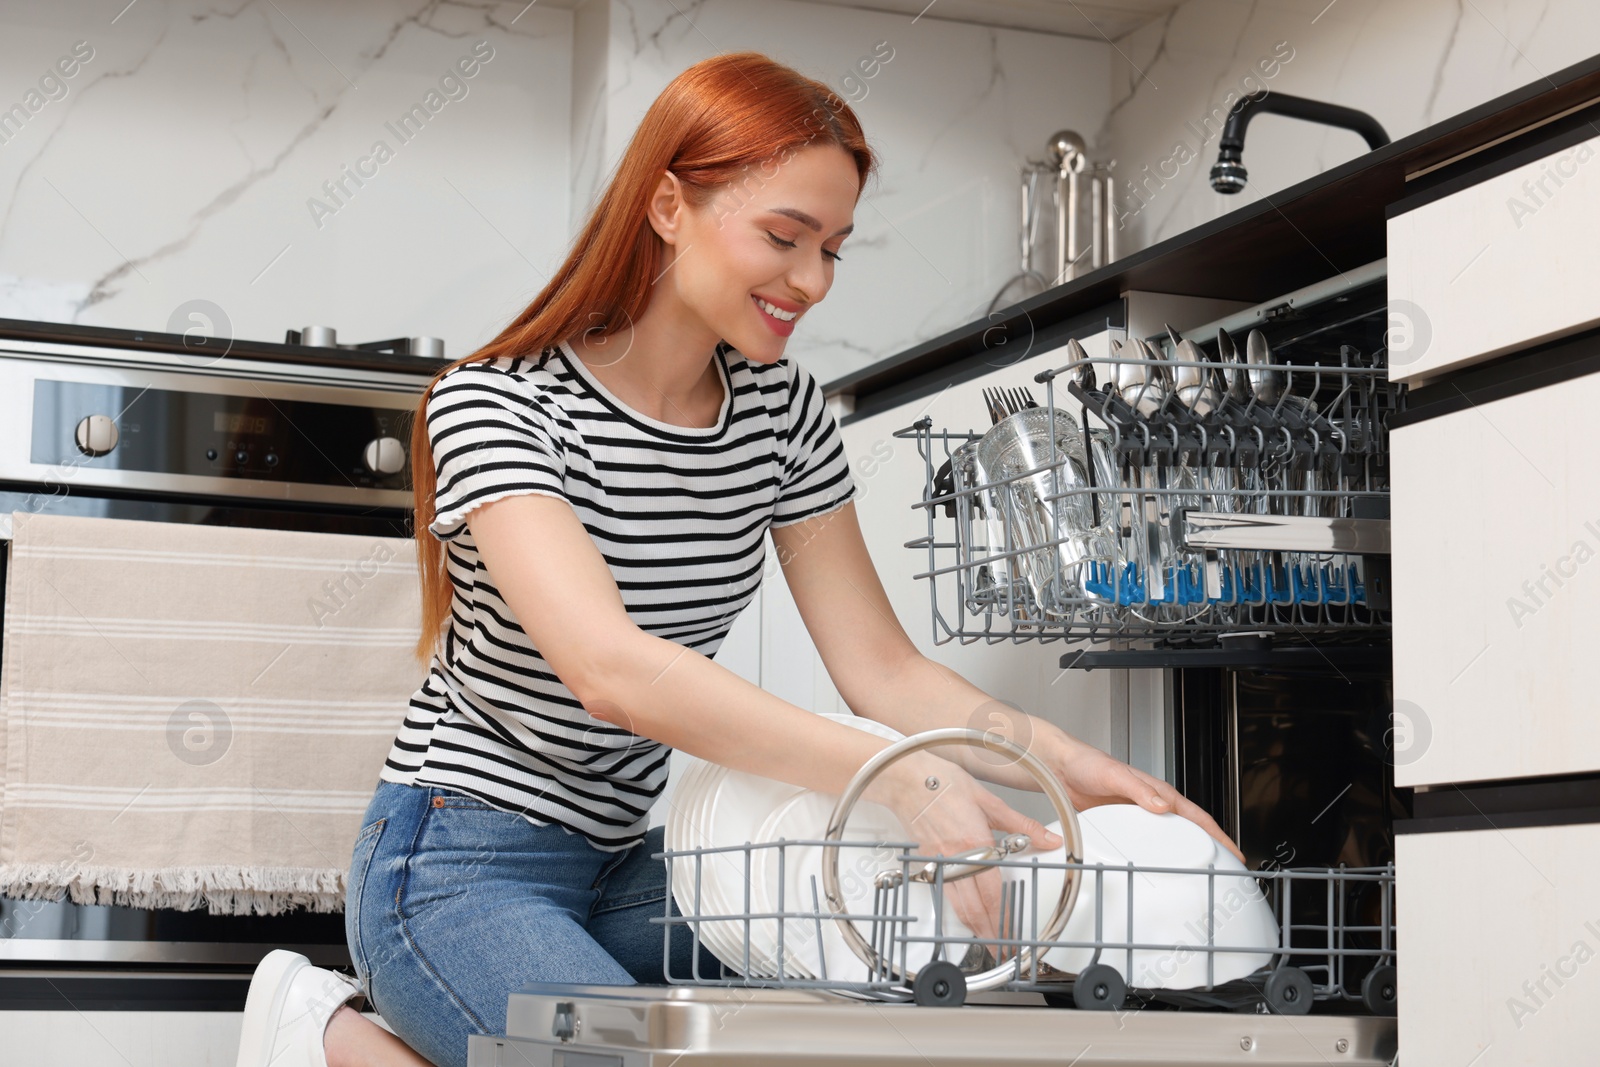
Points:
(770, 238)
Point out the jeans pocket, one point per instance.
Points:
(361, 854)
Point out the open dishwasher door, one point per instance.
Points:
(652, 1026)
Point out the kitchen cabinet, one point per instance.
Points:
(1489, 268)
(1496, 523)
(1496, 534)
(1500, 946)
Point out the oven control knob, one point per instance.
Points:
(96, 435)
(384, 455)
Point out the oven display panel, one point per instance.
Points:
(175, 432)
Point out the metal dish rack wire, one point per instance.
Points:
(1212, 494)
(1347, 957)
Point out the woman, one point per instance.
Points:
(602, 474)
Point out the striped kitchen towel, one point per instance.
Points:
(196, 714)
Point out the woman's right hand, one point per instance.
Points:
(947, 812)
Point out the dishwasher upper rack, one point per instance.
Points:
(1170, 488)
(1313, 961)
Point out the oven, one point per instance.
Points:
(186, 429)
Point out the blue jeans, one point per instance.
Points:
(452, 905)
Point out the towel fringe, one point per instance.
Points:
(223, 890)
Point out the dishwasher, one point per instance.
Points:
(1192, 500)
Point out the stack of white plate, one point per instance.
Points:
(715, 807)
(1166, 909)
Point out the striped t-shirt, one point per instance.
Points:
(679, 514)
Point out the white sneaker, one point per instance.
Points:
(287, 1010)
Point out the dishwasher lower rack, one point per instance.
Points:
(683, 1026)
(1339, 951)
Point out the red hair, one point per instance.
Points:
(710, 126)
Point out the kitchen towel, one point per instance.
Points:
(196, 714)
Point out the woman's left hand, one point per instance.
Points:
(1093, 777)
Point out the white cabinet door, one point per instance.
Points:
(1499, 947)
(1496, 539)
(1498, 266)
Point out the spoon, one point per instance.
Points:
(1196, 385)
(1238, 386)
(1162, 371)
(1133, 379)
(1266, 383)
(1083, 371)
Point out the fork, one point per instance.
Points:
(996, 404)
(1005, 402)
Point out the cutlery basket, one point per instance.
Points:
(1171, 492)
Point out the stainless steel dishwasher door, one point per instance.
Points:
(653, 1026)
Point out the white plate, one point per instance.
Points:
(807, 817)
(1167, 909)
(695, 792)
(717, 807)
(799, 935)
(761, 799)
(764, 884)
(808, 947)
(735, 806)
(725, 942)
(701, 819)
(684, 832)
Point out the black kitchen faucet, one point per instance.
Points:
(1229, 174)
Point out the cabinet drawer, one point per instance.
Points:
(1495, 267)
(1499, 946)
(1496, 552)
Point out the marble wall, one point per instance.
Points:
(1408, 63)
(292, 163)
(254, 156)
(266, 157)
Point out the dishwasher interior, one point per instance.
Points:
(1213, 503)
